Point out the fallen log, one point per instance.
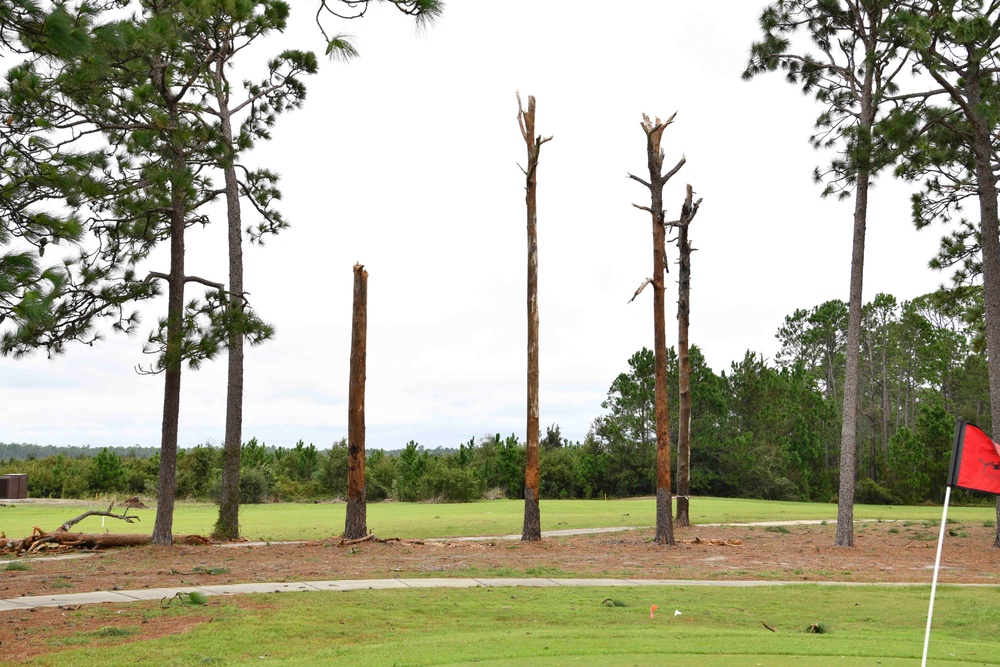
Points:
(102, 540)
(40, 539)
(105, 540)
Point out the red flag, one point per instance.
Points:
(975, 461)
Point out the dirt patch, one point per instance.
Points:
(27, 634)
(883, 552)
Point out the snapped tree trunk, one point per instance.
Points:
(356, 524)
(532, 529)
(228, 525)
(654, 133)
(688, 211)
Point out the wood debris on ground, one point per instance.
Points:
(62, 539)
(734, 542)
(373, 538)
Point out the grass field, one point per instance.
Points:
(516, 626)
(298, 521)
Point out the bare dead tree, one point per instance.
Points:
(532, 517)
(356, 524)
(657, 179)
(688, 210)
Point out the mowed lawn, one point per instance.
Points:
(565, 626)
(307, 521)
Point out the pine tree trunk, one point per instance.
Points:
(990, 234)
(849, 423)
(356, 524)
(173, 356)
(664, 524)
(228, 525)
(657, 179)
(849, 428)
(532, 529)
(684, 363)
(163, 528)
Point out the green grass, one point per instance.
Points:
(17, 566)
(299, 521)
(517, 626)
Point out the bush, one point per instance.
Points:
(452, 484)
(332, 476)
(254, 485)
(286, 490)
(870, 492)
(380, 476)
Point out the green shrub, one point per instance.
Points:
(332, 476)
(452, 485)
(254, 484)
(870, 492)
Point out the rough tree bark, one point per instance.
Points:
(688, 211)
(173, 357)
(990, 234)
(852, 362)
(654, 132)
(532, 530)
(356, 524)
(228, 525)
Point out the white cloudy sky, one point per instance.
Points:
(406, 160)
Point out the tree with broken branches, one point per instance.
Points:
(532, 530)
(657, 179)
(688, 210)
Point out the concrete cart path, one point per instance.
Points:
(122, 597)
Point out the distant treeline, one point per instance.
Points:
(494, 466)
(15, 451)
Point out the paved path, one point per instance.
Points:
(121, 597)
(97, 597)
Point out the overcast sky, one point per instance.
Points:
(406, 160)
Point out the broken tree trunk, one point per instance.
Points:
(688, 211)
(39, 537)
(356, 524)
(532, 517)
(657, 179)
(62, 537)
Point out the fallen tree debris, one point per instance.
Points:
(714, 542)
(372, 538)
(123, 516)
(63, 539)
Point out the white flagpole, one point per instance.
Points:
(937, 566)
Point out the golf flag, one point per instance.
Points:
(975, 461)
(975, 466)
